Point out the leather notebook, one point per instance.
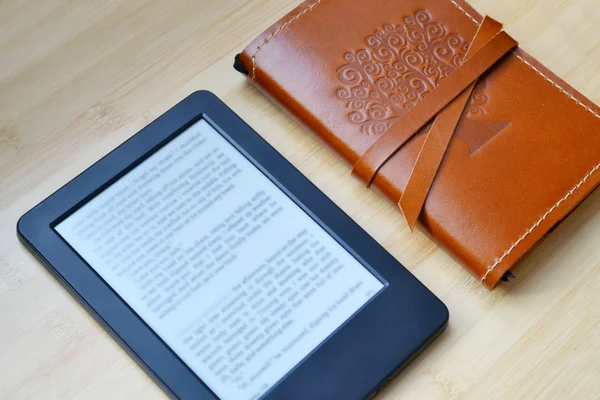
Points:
(436, 106)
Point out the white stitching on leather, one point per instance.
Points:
(570, 192)
(557, 86)
(272, 35)
(464, 11)
(539, 222)
(554, 207)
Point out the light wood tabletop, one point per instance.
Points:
(77, 78)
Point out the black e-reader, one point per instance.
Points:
(225, 272)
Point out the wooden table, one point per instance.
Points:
(77, 78)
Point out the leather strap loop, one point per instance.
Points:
(408, 125)
(439, 136)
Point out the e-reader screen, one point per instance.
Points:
(236, 278)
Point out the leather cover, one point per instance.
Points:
(522, 155)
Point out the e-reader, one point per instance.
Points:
(225, 272)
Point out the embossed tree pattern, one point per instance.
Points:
(401, 65)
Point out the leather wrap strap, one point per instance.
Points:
(446, 104)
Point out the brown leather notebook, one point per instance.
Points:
(438, 108)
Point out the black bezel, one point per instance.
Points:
(357, 360)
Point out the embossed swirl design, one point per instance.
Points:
(401, 64)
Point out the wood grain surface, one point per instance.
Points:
(77, 78)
